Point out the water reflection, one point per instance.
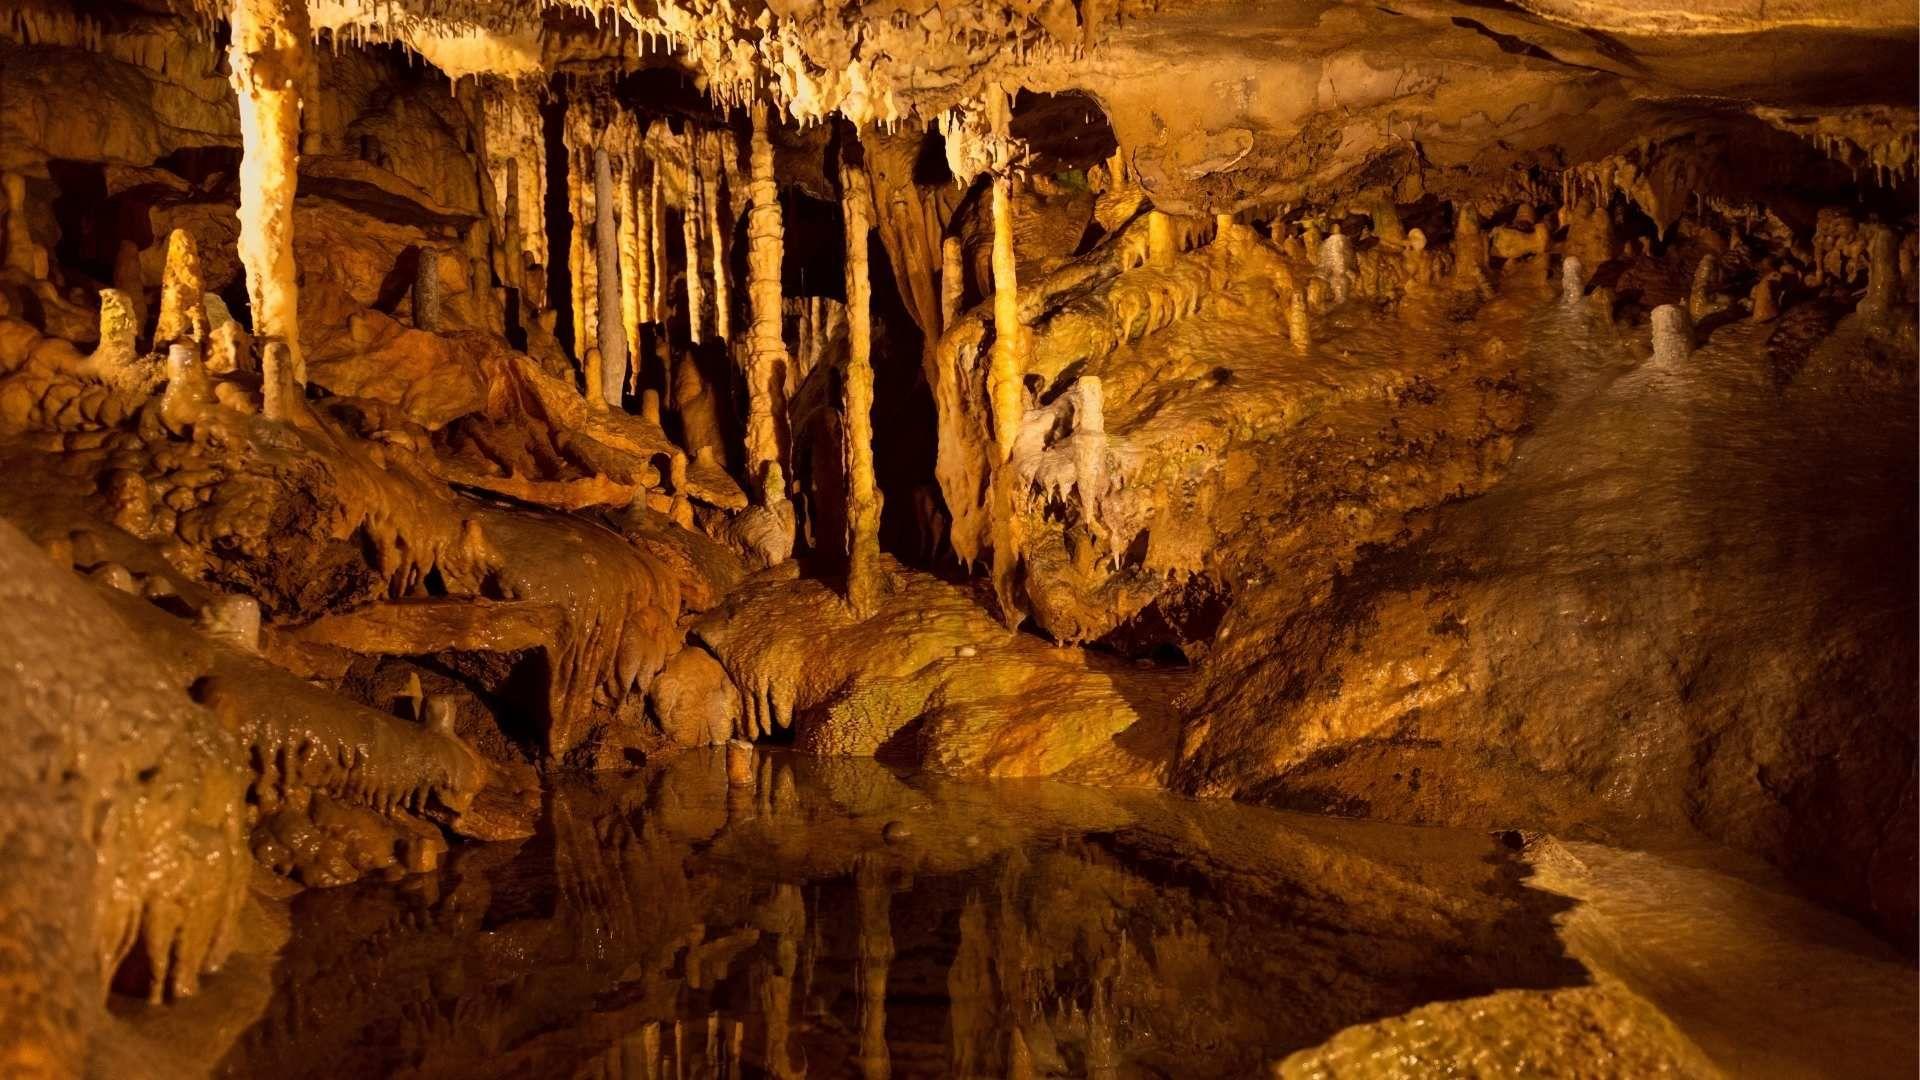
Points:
(666, 925)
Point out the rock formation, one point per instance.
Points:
(525, 458)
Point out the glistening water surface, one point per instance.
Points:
(838, 919)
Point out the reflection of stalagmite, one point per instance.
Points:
(863, 496)
(268, 56)
(876, 955)
(612, 337)
(766, 347)
(182, 313)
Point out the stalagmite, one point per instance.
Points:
(1298, 326)
(1764, 300)
(1573, 280)
(863, 495)
(182, 312)
(1337, 264)
(710, 178)
(428, 290)
(1161, 246)
(612, 335)
(268, 57)
(1882, 270)
(1672, 336)
(766, 350)
(228, 347)
(1700, 300)
(1469, 250)
(114, 360)
(278, 390)
(187, 394)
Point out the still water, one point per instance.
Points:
(837, 919)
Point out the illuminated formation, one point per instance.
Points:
(596, 503)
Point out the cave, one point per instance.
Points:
(934, 539)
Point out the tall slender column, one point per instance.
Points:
(766, 347)
(606, 249)
(863, 496)
(1006, 398)
(268, 56)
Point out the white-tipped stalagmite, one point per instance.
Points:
(612, 335)
(766, 345)
(863, 495)
(268, 57)
(711, 173)
(1573, 280)
(183, 315)
(1672, 335)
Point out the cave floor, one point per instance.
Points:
(835, 918)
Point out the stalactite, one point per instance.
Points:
(612, 322)
(268, 57)
(711, 174)
(690, 233)
(766, 346)
(657, 242)
(642, 214)
(863, 496)
(626, 205)
(577, 257)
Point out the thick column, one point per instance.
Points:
(606, 250)
(863, 496)
(269, 61)
(766, 347)
(1006, 397)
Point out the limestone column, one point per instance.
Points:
(711, 175)
(863, 496)
(268, 56)
(1006, 398)
(428, 290)
(606, 249)
(690, 238)
(766, 346)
